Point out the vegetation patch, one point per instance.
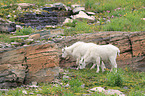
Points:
(80, 81)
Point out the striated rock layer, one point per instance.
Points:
(131, 45)
(38, 63)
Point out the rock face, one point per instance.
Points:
(42, 62)
(11, 75)
(47, 16)
(131, 45)
(52, 16)
(39, 63)
(7, 26)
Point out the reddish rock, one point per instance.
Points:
(138, 44)
(43, 62)
(39, 63)
(15, 56)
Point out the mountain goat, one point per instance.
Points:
(106, 53)
(77, 50)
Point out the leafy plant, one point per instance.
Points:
(75, 85)
(24, 31)
(114, 79)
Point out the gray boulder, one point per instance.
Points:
(83, 15)
(78, 9)
(7, 26)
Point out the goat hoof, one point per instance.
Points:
(97, 72)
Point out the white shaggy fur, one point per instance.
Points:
(77, 50)
(105, 53)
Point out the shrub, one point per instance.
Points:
(114, 78)
(24, 31)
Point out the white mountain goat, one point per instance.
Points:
(77, 50)
(105, 53)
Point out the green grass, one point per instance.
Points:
(78, 27)
(134, 81)
(25, 31)
(6, 38)
(123, 15)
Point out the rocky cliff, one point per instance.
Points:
(39, 62)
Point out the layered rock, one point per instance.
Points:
(52, 16)
(7, 26)
(42, 62)
(11, 75)
(39, 63)
(131, 45)
(46, 16)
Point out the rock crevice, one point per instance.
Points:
(24, 65)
